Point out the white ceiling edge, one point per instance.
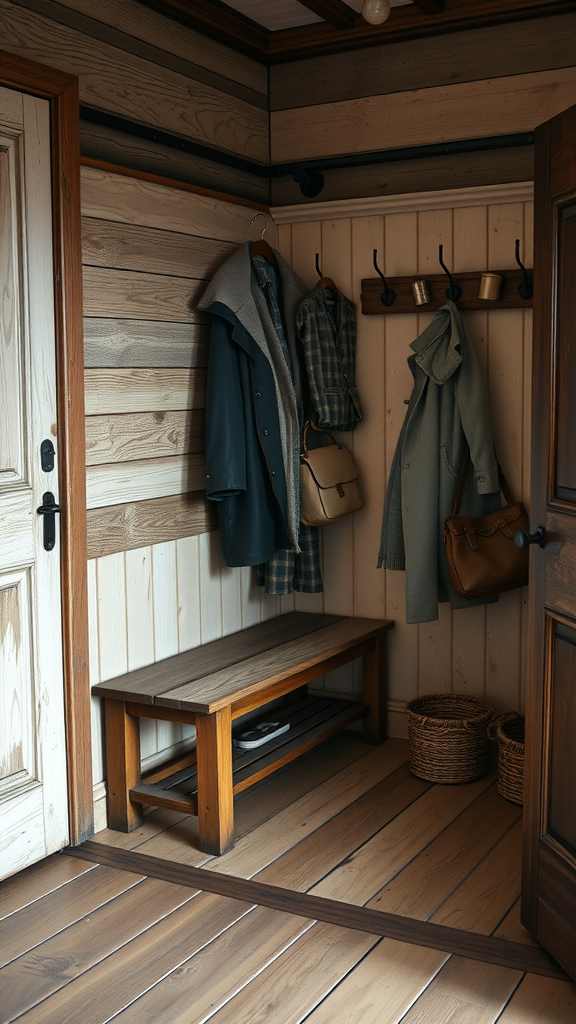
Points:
(442, 199)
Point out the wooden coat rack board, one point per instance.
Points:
(508, 298)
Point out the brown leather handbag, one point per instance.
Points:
(482, 556)
(328, 482)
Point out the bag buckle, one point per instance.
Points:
(340, 490)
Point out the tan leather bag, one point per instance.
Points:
(328, 483)
(482, 556)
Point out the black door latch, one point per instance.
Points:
(48, 509)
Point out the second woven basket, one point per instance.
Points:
(448, 739)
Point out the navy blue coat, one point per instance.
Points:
(244, 467)
(251, 414)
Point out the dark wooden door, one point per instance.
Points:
(549, 863)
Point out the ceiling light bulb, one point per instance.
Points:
(375, 12)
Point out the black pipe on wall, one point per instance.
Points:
(307, 173)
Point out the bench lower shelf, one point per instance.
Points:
(312, 721)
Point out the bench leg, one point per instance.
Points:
(122, 765)
(215, 790)
(375, 691)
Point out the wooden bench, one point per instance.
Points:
(214, 684)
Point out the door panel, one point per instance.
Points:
(549, 862)
(33, 787)
(565, 477)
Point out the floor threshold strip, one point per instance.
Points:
(471, 945)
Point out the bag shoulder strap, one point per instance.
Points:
(307, 426)
(462, 481)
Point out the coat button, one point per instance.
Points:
(406, 465)
(257, 395)
(273, 472)
(265, 432)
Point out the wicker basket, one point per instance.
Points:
(448, 737)
(508, 731)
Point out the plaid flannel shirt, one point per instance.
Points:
(287, 571)
(326, 324)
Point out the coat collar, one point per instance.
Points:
(235, 287)
(438, 347)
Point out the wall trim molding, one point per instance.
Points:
(372, 206)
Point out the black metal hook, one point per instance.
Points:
(318, 271)
(454, 291)
(526, 287)
(388, 296)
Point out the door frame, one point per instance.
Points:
(61, 91)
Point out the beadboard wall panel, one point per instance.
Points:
(117, 81)
(477, 651)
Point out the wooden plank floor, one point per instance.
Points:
(82, 943)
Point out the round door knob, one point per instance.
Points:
(522, 540)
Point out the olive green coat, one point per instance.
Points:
(448, 411)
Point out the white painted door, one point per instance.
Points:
(33, 785)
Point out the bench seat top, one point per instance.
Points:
(217, 675)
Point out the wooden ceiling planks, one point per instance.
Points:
(411, 21)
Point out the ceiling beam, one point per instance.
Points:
(335, 12)
(430, 6)
(407, 23)
(218, 21)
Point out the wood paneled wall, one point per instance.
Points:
(464, 85)
(477, 651)
(134, 63)
(156, 582)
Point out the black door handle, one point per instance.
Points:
(522, 540)
(48, 510)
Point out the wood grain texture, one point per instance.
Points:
(36, 976)
(142, 23)
(404, 176)
(79, 18)
(136, 524)
(487, 949)
(35, 882)
(129, 436)
(109, 342)
(103, 144)
(215, 794)
(495, 107)
(158, 389)
(122, 766)
(517, 48)
(48, 914)
(130, 247)
(125, 293)
(137, 200)
(134, 88)
(465, 990)
(211, 657)
(148, 478)
(261, 671)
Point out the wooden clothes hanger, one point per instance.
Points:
(261, 247)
